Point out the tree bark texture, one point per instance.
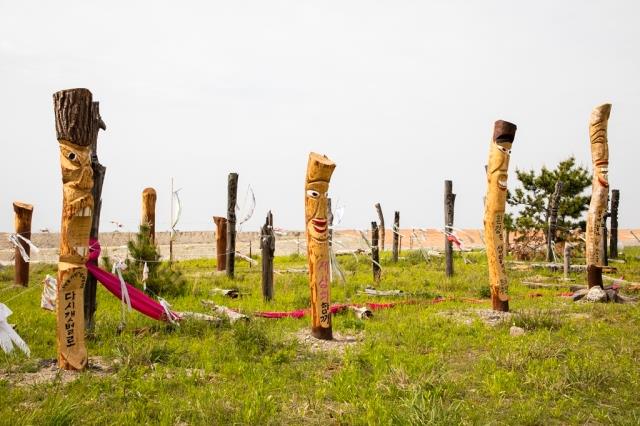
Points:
(232, 196)
(449, 203)
(599, 192)
(221, 242)
(613, 238)
(99, 171)
(74, 123)
(494, 209)
(22, 222)
(319, 171)
(268, 247)
(375, 252)
(554, 204)
(381, 227)
(149, 198)
(396, 236)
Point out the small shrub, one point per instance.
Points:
(537, 319)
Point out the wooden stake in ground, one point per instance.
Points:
(494, 208)
(449, 202)
(268, 247)
(599, 192)
(567, 260)
(99, 172)
(232, 195)
(319, 171)
(22, 223)
(149, 198)
(74, 121)
(375, 253)
(554, 204)
(613, 239)
(381, 227)
(396, 236)
(221, 242)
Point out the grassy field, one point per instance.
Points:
(415, 363)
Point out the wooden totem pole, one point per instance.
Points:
(613, 239)
(319, 171)
(396, 236)
(74, 121)
(268, 247)
(599, 192)
(22, 223)
(221, 242)
(375, 252)
(554, 205)
(494, 208)
(99, 172)
(449, 203)
(232, 196)
(149, 198)
(381, 227)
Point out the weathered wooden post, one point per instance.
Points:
(567, 259)
(494, 207)
(599, 192)
(396, 236)
(268, 247)
(381, 227)
(375, 252)
(319, 171)
(232, 195)
(449, 202)
(613, 239)
(99, 172)
(149, 198)
(22, 224)
(74, 121)
(221, 242)
(554, 204)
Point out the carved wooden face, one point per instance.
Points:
(497, 171)
(600, 155)
(316, 210)
(77, 183)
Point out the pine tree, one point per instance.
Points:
(533, 199)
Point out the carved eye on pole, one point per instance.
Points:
(72, 156)
(313, 194)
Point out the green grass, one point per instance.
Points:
(576, 363)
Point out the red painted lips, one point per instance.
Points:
(320, 225)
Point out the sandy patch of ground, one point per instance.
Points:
(48, 372)
(338, 345)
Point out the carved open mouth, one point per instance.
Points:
(604, 182)
(84, 220)
(502, 184)
(320, 225)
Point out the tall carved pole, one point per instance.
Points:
(149, 198)
(319, 171)
(381, 227)
(554, 204)
(22, 223)
(396, 236)
(599, 192)
(74, 121)
(494, 208)
(449, 202)
(375, 252)
(221, 242)
(232, 195)
(268, 246)
(613, 239)
(99, 171)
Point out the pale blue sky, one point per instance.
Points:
(387, 89)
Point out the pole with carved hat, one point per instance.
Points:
(319, 171)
